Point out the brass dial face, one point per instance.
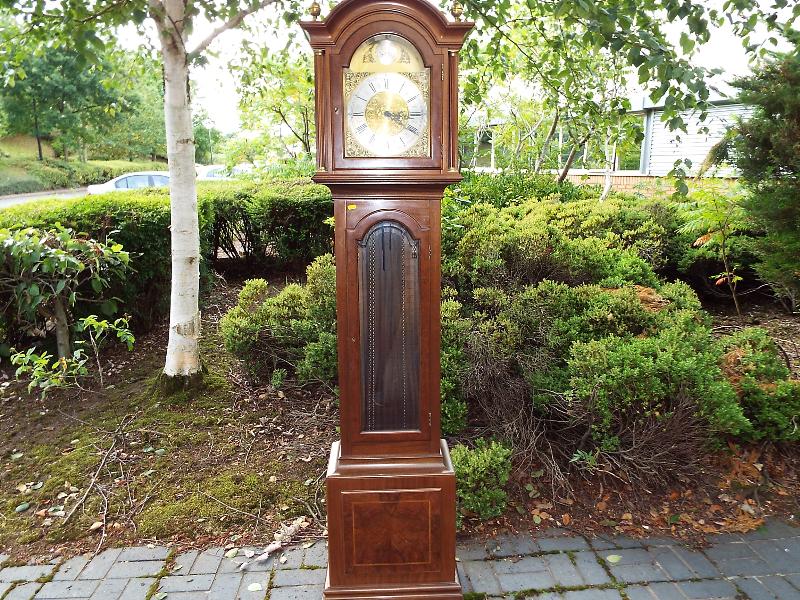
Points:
(387, 100)
(387, 114)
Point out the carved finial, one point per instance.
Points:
(315, 10)
(457, 10)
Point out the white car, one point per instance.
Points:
(131, 181)
(213, 173)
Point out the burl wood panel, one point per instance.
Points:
(389, 302)
(407, 520)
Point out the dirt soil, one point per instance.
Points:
(92, 468)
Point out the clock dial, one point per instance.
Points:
(386, 98)
(387, 114)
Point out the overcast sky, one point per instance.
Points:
(215, 87)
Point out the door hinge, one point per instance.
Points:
(430, 252)
(442, 72)
(430, 420)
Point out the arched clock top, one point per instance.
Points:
(421, 14)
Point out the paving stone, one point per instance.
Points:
(23, 591)
(572, 542)
(67, 589)
(262, 579)
(795, 580)
(183, 562)
(777, 586)
(466, 586)
(712, 589)
(701, 567)
(137, 589)
(4, 587)
(294, 559)
(482, 577)
(471, 550)
(655, 591)
(111, 589)
(756, 590)
(782, 555)
(288, 577)
(302, 592)
(139, 553)
(744, 567)
(186, 583)
(593, 595)
(260, 566)
(619, 542)
(591, 572)
(773, 529)
(225, 586)
(316, 555)
(127, 570)
(191, 596)
(70, 570)
(641, 573)
(3, 558)
(518, 582)
(26, 573)
(729, 551)
(511, 545)
(526, 564)
(100, 565)
(207, 562)
(563, 571)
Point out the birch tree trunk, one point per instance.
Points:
(182, 362)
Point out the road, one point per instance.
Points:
(6, 201)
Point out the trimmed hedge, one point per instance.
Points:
(23, 176)
(277, 224)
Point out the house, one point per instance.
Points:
(662, 147)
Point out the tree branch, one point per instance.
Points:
(232, 23)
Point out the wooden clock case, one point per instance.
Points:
(390, 490)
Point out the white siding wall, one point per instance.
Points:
(664, 149)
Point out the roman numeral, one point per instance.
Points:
(415, 113)
(413, 98)
(361, 128)
(372, 86)
(412, 129)
(357, 113)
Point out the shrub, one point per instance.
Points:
(482, 473)
(769, 397)
(44, 273)
(294, 330)
(286, 226)
(278, 223)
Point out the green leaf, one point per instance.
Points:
(22, 507)
(613, 558)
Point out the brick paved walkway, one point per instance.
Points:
(763, 565)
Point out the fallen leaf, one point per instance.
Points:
(254, 587)
(283, 559)
(613, 558)
(22, 507)
(232, 553)
(566, 519)
(95, 526)
(601, 506)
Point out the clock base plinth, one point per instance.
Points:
(391, 528)
(421, 591)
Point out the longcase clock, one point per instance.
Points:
(387, 127)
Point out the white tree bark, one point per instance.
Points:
(183, 349)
